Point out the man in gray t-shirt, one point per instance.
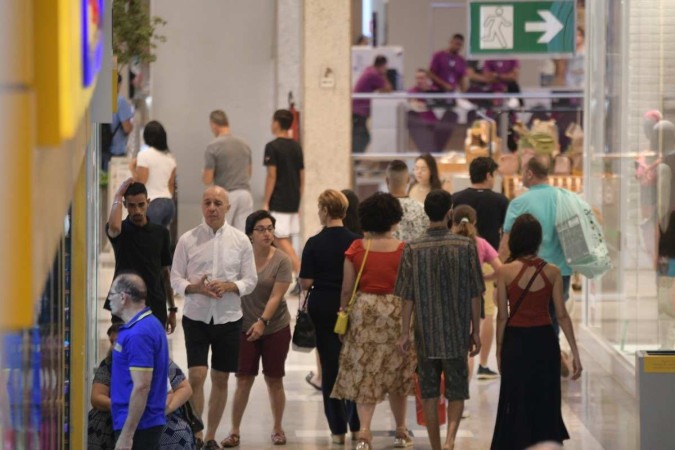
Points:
(227, 163)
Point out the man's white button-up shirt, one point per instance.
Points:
(226, 255)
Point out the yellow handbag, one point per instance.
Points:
(343, 316)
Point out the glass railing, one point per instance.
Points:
(457, 127)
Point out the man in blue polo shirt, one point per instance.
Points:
(140, 368)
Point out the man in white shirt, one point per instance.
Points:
(213, 267)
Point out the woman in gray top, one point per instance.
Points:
(266, 326)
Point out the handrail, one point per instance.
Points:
(400, 95)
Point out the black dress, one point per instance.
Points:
(529, 397)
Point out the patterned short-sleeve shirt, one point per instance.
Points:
(415, 221)
(440, 272)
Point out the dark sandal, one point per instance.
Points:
(231, 441)
(279, 438)
(309, 381)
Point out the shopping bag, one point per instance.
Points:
(420, 408)
(581, 236)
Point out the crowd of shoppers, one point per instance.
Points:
(417, 251)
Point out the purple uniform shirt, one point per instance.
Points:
(428, 115)
(369, 81)
(500, 67)
(449, 67)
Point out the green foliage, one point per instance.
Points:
(134, 31)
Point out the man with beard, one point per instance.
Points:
(143, 248)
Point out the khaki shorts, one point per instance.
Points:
(489, 296)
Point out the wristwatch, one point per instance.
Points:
(265, 322)
(173, 310)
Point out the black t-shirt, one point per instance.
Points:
(323, 257)
(490, 211)
(145, 251)
(286, 155)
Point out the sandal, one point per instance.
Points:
(364, 442)
(232, 440)
(309, 381)
(402, 438)
(279, 438)
(199, 443)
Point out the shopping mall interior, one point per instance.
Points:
(587, 83)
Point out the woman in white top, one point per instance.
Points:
(155, 167)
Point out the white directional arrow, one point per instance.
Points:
(551, 26)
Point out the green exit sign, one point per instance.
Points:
(522, 28)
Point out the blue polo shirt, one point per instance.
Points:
(141, 345)
(542, 202)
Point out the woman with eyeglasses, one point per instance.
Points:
(266, 325)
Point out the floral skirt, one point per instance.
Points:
(371, 365)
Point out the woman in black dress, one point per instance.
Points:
(321, 273)
(528, 352)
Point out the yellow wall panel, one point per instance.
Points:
(16, 151)
(61, 97)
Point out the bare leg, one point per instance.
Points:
(430, 406)
(455, 410)
(217, 402)
(286, 246)
(398, 404)
(275, 389)
(317, 377)
(471, 358)
(197, 377)
(241, 394)
(487, 335)
(366, 411)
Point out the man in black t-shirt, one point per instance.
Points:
(284, 184)
(143, 248)
(490, 209)
(490, 206)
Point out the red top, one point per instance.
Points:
(533, 311)
(379, 273)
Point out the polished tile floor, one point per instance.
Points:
(599, 414)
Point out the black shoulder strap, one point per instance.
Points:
(540, 267)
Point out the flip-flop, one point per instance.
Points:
(309, 381)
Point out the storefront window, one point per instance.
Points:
(628, 173)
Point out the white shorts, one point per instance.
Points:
(287, 224)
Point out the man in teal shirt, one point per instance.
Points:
(541, 200)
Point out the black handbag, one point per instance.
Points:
(304, 334)
(188, 413)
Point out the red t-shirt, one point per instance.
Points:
(379, 273)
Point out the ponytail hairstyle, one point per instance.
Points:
(464, 221)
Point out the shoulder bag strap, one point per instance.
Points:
(540, 267)
(358, 277)
(304, 303)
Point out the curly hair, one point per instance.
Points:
(379, 212)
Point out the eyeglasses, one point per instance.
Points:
(263, 229)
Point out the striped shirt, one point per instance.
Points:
(440, 273)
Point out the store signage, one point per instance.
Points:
(522, 28)
(92, 40)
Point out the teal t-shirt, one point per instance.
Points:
(541, 201)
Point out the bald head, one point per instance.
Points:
(215, 205)
(132, 285)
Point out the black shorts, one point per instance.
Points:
(222, 339)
